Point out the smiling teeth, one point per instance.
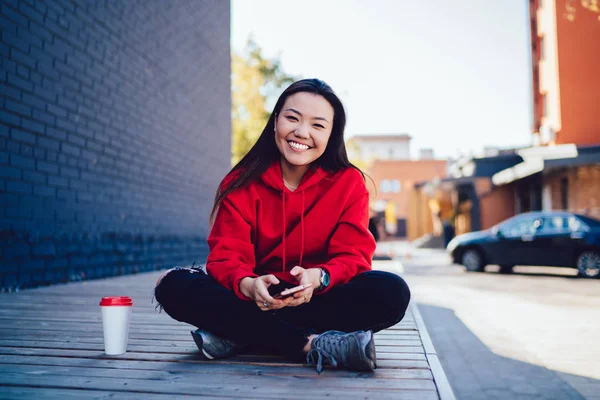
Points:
(298, 146)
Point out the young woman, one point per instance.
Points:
(294, 211)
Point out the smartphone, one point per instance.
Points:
(288, 292)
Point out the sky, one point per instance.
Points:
(455, 75)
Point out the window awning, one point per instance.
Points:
(535, 159)
(519, 171)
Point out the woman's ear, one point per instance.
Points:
(275, 123)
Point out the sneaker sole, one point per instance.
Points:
(200, 343)
(371, 353)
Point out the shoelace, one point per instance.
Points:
(310, 359)
(326, 345)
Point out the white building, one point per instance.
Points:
(379, 147)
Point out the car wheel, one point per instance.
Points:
(473, 260)
(588, 264)
(506, 269)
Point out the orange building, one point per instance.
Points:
(565, 48)
(387, 160)
(562, 170)
(394, 181)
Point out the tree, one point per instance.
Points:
(256, 83)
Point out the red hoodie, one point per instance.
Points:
(265, 228)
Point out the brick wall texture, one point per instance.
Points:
(583, 193)
(497, 205)
(114, 134)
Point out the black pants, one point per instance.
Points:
(373, 300)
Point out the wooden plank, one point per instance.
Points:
(96, 335)
(407, 353)
(393, 349)
(261, 388)
(414, 361)
(96, 326)
(87, 320)
(72, 320)
(180, 339)
(208, 367)
(20, 393)
(87, 324)
(329, 380)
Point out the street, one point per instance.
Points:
(534, 334)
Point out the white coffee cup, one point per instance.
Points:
(116, 314)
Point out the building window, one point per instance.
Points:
(544, 105)
(385, 186)
(564, 193)
(396, 186)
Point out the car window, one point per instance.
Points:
(555, 224)
(520, 226)
(576, 225)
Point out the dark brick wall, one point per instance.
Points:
(114, 133)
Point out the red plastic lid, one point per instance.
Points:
(116, 301)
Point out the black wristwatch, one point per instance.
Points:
(325, 280)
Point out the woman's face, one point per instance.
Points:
(303, 127)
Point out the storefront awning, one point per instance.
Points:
(535, 159)
(519, 171)
(587, 156)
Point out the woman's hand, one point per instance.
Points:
(304, 277)
(258, 290)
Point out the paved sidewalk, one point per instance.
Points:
(484, 328)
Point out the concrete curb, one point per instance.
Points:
(439, 376)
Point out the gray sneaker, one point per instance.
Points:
(353, 351)
(212, 346)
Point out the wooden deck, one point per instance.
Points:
(51, 346)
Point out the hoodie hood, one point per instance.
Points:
(273, 178)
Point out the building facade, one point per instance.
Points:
(562, 174)
(114, 134)
(561, 170)
(369, 148)
(394, 181)
(565, 63)
(466, 198)
(387, 160)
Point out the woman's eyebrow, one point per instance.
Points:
(300, 114)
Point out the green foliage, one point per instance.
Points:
(256, 82)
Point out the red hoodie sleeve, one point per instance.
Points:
(231, 256)
(352, 246)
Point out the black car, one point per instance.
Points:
(558, 239)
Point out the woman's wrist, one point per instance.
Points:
(246, 286)
(314, 277)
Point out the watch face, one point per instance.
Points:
(325, 279)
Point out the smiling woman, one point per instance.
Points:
(302, 131)
(293, 213)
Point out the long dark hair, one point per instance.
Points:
(265, 151)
